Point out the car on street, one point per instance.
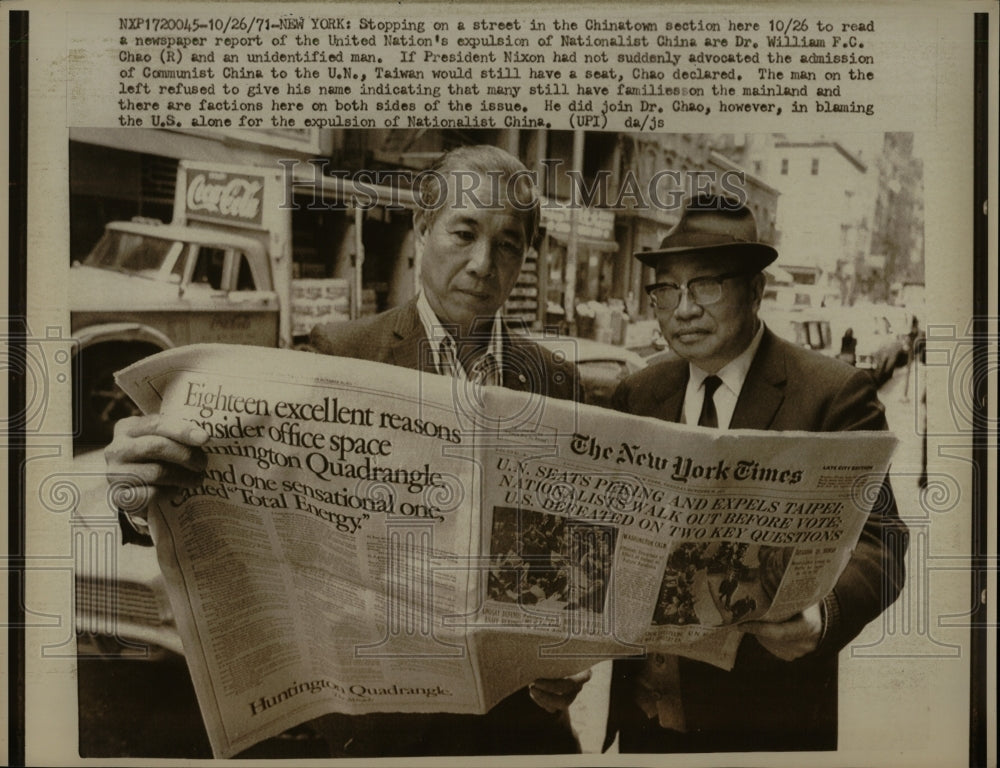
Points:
(663, 356)
(121, 604)
(804, 327)
(601, 366)
(881, 336)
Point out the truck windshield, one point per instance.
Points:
(138, 254)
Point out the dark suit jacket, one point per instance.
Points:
(397, 337)
(516, 725)
(765, 703)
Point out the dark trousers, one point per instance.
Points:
(762, 705)
(515, 726)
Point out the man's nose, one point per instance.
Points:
(686, 307)
(480, 261)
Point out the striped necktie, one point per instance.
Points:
(448, 364)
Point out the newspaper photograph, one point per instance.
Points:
(515, 383)
(335, 575)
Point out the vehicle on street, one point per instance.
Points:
(883, 340)
(806, 327)
(221, 271)
(601, 366)
(661, 357)
(121, 604)
(147, 287)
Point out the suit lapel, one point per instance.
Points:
(517, 358)
(667, 385)
(671, 406)
(409, 348)
(764, 389)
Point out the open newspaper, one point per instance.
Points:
(369, 538)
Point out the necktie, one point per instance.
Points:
(485, 370)
(448, 364)
(709, 417)
(658, 691)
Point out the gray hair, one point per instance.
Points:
(506, 175)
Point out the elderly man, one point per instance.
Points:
(734, 373)
(478, 214)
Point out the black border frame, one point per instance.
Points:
(17, 247)
(980, 580)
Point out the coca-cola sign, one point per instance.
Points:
(228, 197)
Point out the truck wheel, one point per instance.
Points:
(101, 402)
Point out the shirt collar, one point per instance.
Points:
(733, 373)
(438, 334)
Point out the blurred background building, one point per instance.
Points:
(846, 213)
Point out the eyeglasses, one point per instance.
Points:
(702, 291)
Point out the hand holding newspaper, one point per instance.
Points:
(373, 539)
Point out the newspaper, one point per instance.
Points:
(370, 539)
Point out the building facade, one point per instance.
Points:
(605, 196)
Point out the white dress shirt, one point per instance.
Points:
(486, 369)
(733, 374)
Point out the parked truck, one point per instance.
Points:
(220, 271)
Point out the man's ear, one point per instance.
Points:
(757, 283)
(420, 226)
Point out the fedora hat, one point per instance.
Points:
(717, 224)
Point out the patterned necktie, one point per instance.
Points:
(709, 417)
(448, 364)
(484, 371)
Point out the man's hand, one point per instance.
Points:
(557, 693)
(151, 451)
(791, 638)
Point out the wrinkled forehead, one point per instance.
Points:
(488, 220)
(679, 267)
(488, 198)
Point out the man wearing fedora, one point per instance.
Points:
(734, 373)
